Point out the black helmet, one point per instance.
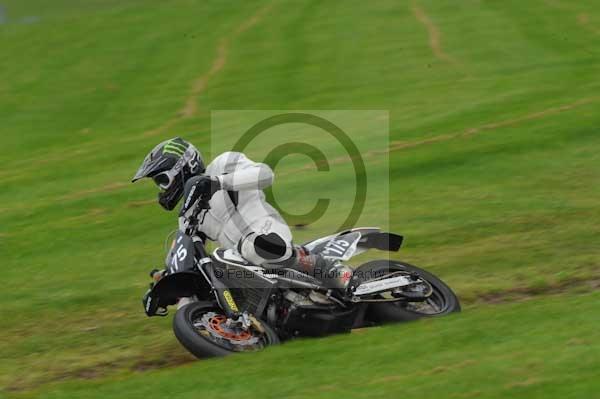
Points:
(170, 164)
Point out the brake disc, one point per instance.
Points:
(220, 330)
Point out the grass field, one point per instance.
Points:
(494, 171)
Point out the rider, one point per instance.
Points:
(239, 217)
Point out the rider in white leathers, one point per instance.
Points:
(239, 217)
(239, 213)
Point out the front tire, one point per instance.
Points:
(443, 300)
(200, 327)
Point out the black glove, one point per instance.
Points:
(196, 187)
(208, 185)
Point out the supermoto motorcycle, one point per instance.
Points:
(225, 304)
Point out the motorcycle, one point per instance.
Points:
(225, 304)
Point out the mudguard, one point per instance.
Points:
(382, 241)
(180, 285)
(181, 277)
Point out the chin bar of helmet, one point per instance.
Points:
(169, 198)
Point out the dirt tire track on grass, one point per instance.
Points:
(469, 132)
(105, 369)
(394, 146)
(190, 107)
(84, 193)
(434, 35)
(137, 204)
(401, 145)
(199, 85)
(572, 285)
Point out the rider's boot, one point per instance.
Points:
(331, 272)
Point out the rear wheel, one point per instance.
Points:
(204, 330)
(442, 300)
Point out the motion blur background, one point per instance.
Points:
(494, 171)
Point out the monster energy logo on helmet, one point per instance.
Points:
(174, 147)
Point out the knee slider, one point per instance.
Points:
(266, 248)
(270, 246)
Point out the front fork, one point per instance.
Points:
(221, 291)
(227, 303)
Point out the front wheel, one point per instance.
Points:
(442, 300)
(204, 330)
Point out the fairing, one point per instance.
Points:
(370, 238)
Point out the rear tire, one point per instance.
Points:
(443, 297)
(206, 345)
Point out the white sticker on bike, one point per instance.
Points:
(372, 287)
(179, 255)
(342, 248)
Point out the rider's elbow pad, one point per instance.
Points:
(255, 178)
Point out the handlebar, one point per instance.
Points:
(203, 205)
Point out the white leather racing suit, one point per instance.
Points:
(239, 213)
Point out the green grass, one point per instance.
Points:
(497, 187)
(533, 349)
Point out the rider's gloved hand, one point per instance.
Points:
(196, 187)
(208, 185)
